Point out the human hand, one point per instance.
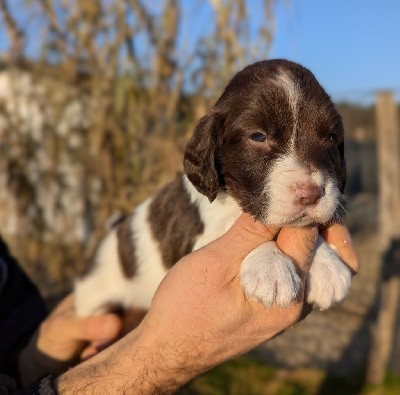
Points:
(201, 306)
(65, 336)
(200, 315)
(63, 339)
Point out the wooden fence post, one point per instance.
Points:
(389, 230)
(389, 168)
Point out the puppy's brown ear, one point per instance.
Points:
(200, 160)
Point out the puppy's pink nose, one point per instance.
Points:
(307, 193)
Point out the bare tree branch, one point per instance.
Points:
(15, 34)
(55, 25)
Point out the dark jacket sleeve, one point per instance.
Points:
(21, 311)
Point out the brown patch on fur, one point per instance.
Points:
(126, 247)
(174, 221)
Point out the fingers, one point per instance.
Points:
(63, 334)
(298, 244)
(94, 348)
(100, 338)
(64, 322)
(89, 351)
(339, 238)
(96, 328)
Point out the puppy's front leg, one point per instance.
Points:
(329, 278)
(269, 276)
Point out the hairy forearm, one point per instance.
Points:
(134, 366)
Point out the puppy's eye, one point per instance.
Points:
(259, 137)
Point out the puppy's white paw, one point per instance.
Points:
(329, 278)
(269, 276)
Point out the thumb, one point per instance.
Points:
(244, 236)
(298, 244)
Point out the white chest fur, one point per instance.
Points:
(107, 285)
(217, 216)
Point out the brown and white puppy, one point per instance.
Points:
(271, 146)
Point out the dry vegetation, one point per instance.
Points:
(117, 88)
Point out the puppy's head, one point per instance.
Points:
(274, 142)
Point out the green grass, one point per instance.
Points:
(391, 386)
(242, 375)
(246, 375)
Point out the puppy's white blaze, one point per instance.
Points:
(292, 90)
(217, 216)
(329, 278)
(107, 284)
(286, 81)
(286, 172)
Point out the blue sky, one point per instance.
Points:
(352, 46)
